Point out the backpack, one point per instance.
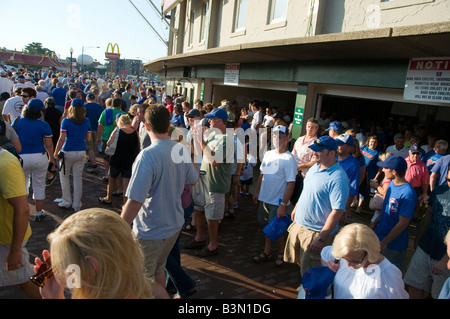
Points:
(109, 116)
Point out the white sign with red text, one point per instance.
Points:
(231, 74)
(428, 80)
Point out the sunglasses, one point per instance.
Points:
(24, 96)
(44, 272)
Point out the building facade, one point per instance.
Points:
(347, 57)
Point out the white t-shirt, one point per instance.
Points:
(382, 281)
(278, 169)
(257, 118)
(13, 107)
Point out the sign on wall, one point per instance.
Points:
(231, 74)
(428, 80)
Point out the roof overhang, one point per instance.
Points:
(428, 40)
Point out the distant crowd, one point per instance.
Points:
(58, 124)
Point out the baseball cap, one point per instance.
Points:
(324, 143)
(204, 122)
(280, 129)
(395, 162)
(336, 126)
(90, 96)
(414, 149)
(219, 113)
(345, 139)
(194, 113)
(77, 102)
(21, 77)
(316, 282)
(35, 105)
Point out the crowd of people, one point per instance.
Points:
(57, 124)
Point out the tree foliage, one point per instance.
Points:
(37, 48)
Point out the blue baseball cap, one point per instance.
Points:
(316, 282)
(219, 113)
(336, 126)
(324, 143)
(345, 139)
(77, 102)
(395, 162)
(35, 105)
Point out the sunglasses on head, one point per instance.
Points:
(44, 272)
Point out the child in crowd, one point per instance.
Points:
(246, 180)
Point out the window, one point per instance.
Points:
(278, 10)
(240, 15)
(191, 28)
(205, 8)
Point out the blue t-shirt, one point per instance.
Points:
(432, 160)
(31, 134)
(324, 190)
(433, 241)
(76, 135)
(400, 200)
(441, 168)
(371, 158)
(351, 167)
(93, 112)
(59, 94)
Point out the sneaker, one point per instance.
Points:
(49, 181)
(92, 169)
(64, 204)
(39, 217)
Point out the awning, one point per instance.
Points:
(428, 40)
(33, 60)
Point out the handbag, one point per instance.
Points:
(200, 191)
(376, 202)
(110, 150)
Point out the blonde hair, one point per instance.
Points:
(106, 237)
(124, 120)
(356, 237)
(108, 102)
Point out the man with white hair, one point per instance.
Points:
(40, 93)
(6, 85)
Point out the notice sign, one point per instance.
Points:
(428, 80)
(231, 74)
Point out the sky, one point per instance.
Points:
(62, 24)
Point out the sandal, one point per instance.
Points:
(280, 260)
(103, 200)
(230, 214)
(262, 257)
(189, 227)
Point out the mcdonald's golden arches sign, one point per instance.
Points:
(112, 54)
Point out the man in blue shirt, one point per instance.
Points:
(59, 94)
(319, 209)
(345, 144)
(93, 112)
(439, 172)
(398, 211)
(427, 271)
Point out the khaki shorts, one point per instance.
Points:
(156, 253)
(92, 144)
(420, 276)
(216, 208)
(14, 277)
(297, 251)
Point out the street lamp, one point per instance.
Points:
(71, 61)
(82, 54)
